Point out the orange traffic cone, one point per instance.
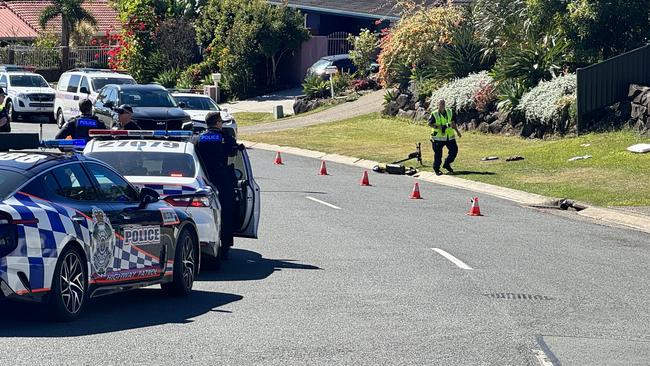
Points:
(415, 194)
(323, 168)
(364, 179)
(278, 159)
(475, 210)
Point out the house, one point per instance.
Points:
(327, 17)
(20, 19)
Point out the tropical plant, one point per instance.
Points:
(342, 82)
(364, 48)
(509, 93)
(47, 43)
(315, 87)
(533, 61)
(390, 96)
(72, 14)
(485, 97)
(459, 94)
(168, 78)
(542, 104)
(82, 34)
(463, 55)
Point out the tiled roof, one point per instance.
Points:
(363, 8)
(30, 11)
(13, 27)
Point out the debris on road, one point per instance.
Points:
(394, 169)
(490, 158)
(639, 148)
(576, 158)
(515, 158)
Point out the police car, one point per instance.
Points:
(149, 159)
(71, 228)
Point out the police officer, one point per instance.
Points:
(442, 134)
(5, 125)
(78, 127)
(125, 118)
(213, 148)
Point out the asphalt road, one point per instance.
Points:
(362, 284)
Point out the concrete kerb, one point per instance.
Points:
(635, 221)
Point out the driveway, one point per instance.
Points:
(368, 103)
(265, 103)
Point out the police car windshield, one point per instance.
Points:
(9, 182)
(197, 103)
(148, 164)
(99, 83)
(147, 98)
(28, 81)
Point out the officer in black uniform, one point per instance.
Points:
(78, 127)
(125, 118)
(5, 121)
(213, 148)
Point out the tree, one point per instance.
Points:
(282, 31)
(365, 46)
(72, 14)
(176, 42)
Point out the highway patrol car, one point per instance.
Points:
(72, 228)
(150, 159)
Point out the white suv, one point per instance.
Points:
(27, 93)
(78, 84)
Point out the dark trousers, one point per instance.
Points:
(225, 183)
(437, 152)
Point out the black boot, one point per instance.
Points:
(448, 168)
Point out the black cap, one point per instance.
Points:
(2, 92)
(124, 108)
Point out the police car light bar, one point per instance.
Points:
(140, 133)
(53, 144)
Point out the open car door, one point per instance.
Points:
(249, 197)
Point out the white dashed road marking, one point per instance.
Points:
(323, 203)
(452, 259)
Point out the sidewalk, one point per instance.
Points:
(368, 103)
(638, 219)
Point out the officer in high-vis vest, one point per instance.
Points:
(443, 134)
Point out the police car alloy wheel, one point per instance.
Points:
(69, 285)
(10, 110)
(184, 266)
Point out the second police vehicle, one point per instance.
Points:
(149, 160)
(72, 228)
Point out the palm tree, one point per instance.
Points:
(72, 14)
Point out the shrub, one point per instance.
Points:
(315, 87)
(363, 84)
(459, 94)
(390, 96)
(509, 93)
(342, 82)
(168, 78)
(414, 40)
(365, 45)
(543, 103)
(485, 97)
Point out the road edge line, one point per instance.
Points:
(611, 216)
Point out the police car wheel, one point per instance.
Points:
(185, 266)
(69, 285)
(11, 112)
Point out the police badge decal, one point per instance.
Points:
(103, 242)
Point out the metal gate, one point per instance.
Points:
(337, 43)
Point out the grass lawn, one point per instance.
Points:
(252, 118)
(613, 177)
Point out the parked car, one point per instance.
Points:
(28, 93)
(170, 166)
(78, 84)
(154, 108)
(198, 106)
(342, 62)
(72, 228)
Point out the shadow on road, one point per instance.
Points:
(470, 172)
(129, 310)
(245, 265)
(306, 192)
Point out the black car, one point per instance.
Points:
(153, 106)
(71, 228)
(342, 62)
